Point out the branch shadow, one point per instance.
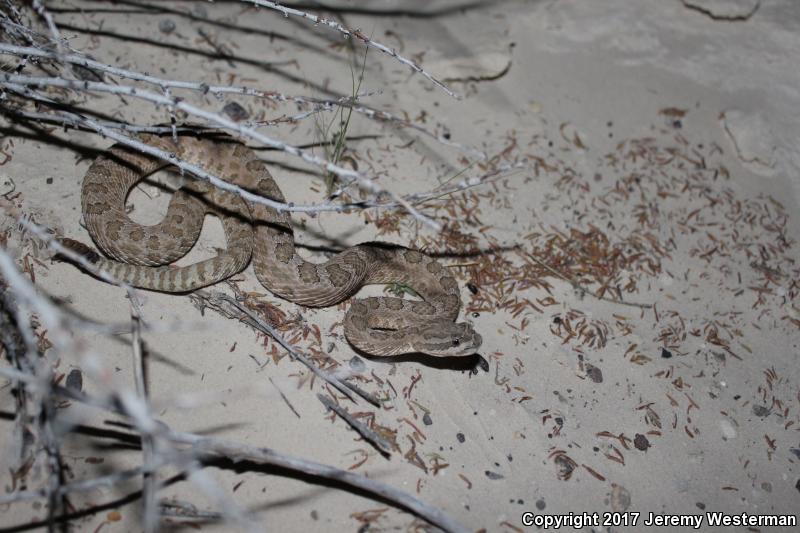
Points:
(163, 9)
(133, 442)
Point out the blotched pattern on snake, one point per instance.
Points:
(140, 255)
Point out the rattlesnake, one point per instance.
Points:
(378, 326)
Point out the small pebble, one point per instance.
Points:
(166, 26)
(641, 442)
(75, 380)
(357, 364)
(493, 475)
(460, 437)
(594, 373)
(235, 111)
(86, 74)
(666, 354)
(426, 419)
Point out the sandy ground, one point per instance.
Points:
(657, 155)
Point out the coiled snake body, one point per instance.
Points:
(141, 254)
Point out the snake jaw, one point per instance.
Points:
(450, 340)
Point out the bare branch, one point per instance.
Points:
(242, 452)
(358, 34)
(363, 181)
(382, 445)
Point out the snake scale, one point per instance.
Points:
(141, 255)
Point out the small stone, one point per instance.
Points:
(493, 475)
(640, 442)
(49, 181)
(540, 504)
(701, 506)
(666, 354)
(760, 411)
(235, 111)
(594, 373)
(357, 364)
(460, 437)
(166, 26)
(75, 380)
(426, 419)
(86, 74)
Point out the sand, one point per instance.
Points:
(654, 147)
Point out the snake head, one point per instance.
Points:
(448, 339)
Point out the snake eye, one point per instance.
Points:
(456, 342)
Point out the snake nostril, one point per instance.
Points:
(456, 342)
